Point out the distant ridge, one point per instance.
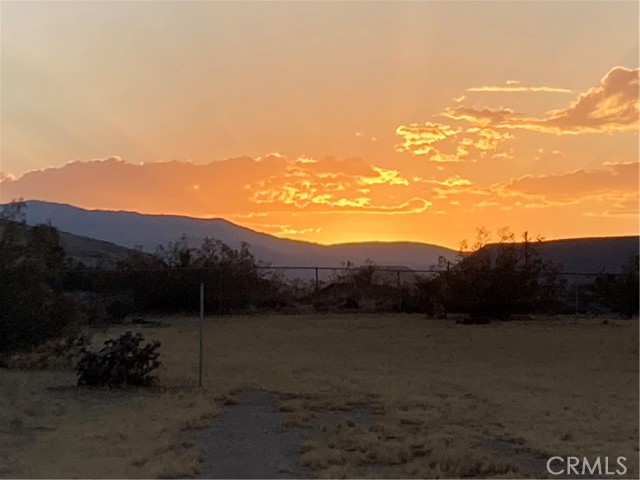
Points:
(589, 255)
(136, 230)
(90, 252)
(133, 230)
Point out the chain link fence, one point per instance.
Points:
(294, 289)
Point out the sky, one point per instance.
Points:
(329, 122)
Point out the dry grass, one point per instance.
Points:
(439, 391)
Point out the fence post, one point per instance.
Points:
(201, 334)
(317, 284)
(398, 278)
(575, 316)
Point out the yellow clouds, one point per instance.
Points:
(487, 139)
(241, 188)
(446, 144)
(456, 186)
(481, 118)
(391, 177)
(610, 107)
(514, 87)
(337, 186)
(478, 133)
(281, 230)
(420, 138)
(321, 199)
(455, 182)
(304, 159)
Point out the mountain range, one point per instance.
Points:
(96, 236)
(146, 232)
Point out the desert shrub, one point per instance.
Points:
(121, 361)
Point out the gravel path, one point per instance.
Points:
(247, 440)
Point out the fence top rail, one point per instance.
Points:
(281, 267)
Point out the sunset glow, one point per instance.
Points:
(393, 121)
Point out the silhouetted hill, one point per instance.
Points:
(135, 230)
(95, 236)
(89, 251)
(589, 255)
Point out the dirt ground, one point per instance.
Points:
(449, 400)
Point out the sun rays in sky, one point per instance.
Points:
(410, 121)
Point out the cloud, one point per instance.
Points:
(336, 186)
(454, 185)
(515, 88)
(241, 187)
(289, 197)
(503, 155)
(305, 159)
(624, 207)
(610, 107)
(616, 179)
(443, 143)
(455, 181)
(372, 139)
(482, 118)
(614, 188)
(391, 177)
(488, 139)
(272, 155)
(182, 188)
(6, 177)
(419, 138)
(285, 230)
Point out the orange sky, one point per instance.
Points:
(410, 121)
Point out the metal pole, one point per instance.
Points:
(201, 332)
(317, 285)
(575, 287)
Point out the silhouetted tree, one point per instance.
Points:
(618, 293)
(501, 279)
(32, 306)
(169, 279)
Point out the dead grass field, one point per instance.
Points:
(440, 391)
